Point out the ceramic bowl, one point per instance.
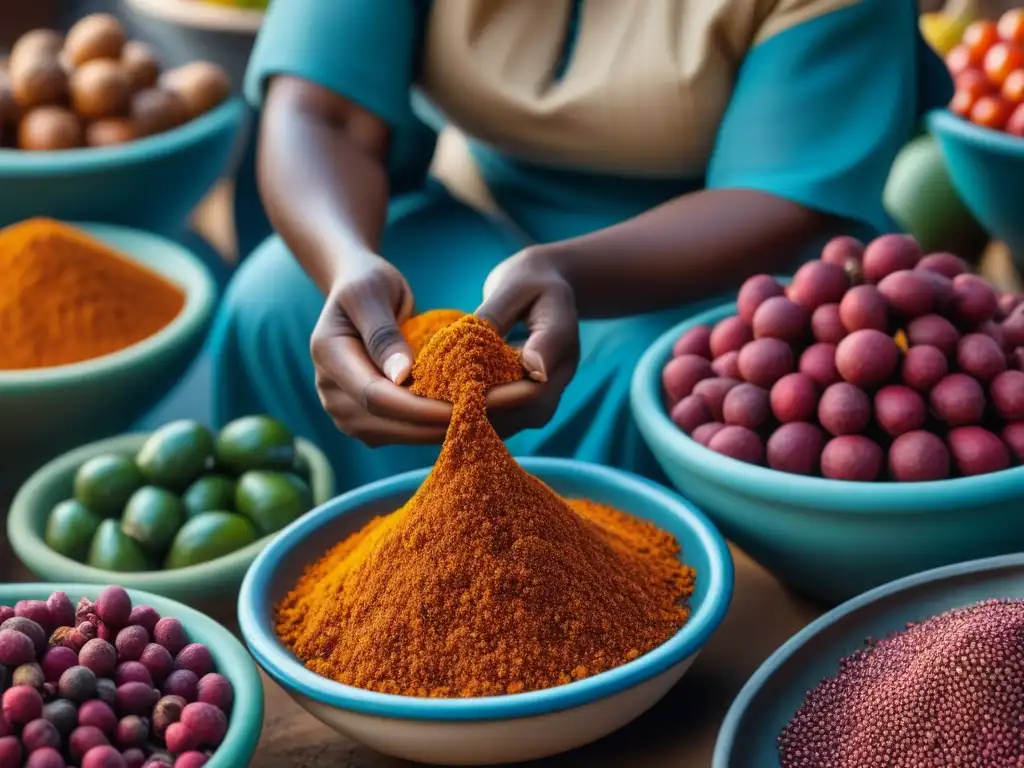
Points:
(773, 694)
(203, 585)
(828, 539)
(229, 656)
(189, 30)
(497, 729)
(152, 184)
(987, 169)
(46, 411)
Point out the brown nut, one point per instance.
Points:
(44, 43)
(39, 81)
(98, 36)
(100, 88)
(201, 84)
(140, 64)
(49, 128)
(110, 132)
(155, 110)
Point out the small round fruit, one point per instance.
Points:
(817, 283)
(841, 250)
(1007, 393)
(765, 361)
(1013, 436)
(1013, 87)
(202, 85)
(779, 318)
(867, 358)
(260, 442)
(980, 356)
(1015, 125)
(39, 82)
(863, 307)
(960, 59)
(819, 362)
(21, 705)
(209, 493)
(152, 518)
(713, 392)
(171, 634)
(34, 44)
(679, 377)
(45, 129)
(908, 292)
(934, 331)
(70, 529)
(729, 335)
(705, 432)
(77, 684)
(844, 409)
(991, 112)
(918, 456)
(976, 451)
(1002, 59)
(738, 443)
(794, 397)
(97, 36)
(690, 412)
(826, 325)
(899, 410)
(958, 400)
(110, 132)
(924, 366)
(176, 454)
(852, 457)
(889, 253)
(754, 292)
(975, 82)
(140, 65)
(155, 110)
(746, 405)
(16, 648)
(727, 366)
(974, 300)
(696, 341)
(100, 88)
(105, 483)
(112, 550)
(947, 264)
(208, 536)
(796, 447)
(1011, 26)
(99, 656)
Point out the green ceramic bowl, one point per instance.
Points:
(46, 411)
(202, 585)
(232, 661)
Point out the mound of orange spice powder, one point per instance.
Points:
(65, 297)
(486, 582)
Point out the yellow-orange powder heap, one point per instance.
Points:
(66, 297)
(486, 582)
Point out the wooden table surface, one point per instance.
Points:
(678, 733)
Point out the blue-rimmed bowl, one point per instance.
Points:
(987, 169)
(497, 729)
(151, 184)
(229, 657)
(46, 411)
(776, 690)
(827, 538)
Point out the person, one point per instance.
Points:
(629, 159)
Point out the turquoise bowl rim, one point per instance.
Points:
(795, 490)
(32, 549)
(727, 734)
(290, 672)
(200, 297)
(16, 163)
(232, 661)
(944, 121)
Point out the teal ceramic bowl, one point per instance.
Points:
(204, 585)
(46, 411)
(151, 184)
(229, 656)
(492, 729)
(775, 692)
(987, 169)
(826, 538)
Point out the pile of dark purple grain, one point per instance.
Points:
(946, 692)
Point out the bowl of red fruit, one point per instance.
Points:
(862, 423)
(981, 135)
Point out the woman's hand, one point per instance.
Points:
(361, 359)
(528, 288)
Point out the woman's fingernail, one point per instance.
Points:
(534, 366)
(397, 367)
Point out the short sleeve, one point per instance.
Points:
(364, 50)
(824, 101)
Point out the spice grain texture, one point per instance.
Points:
(486, 582)
(65, 297)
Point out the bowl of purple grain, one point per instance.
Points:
(924, 671)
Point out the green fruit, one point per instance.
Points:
(210, 493)
(271, 500)
(921, 199)
(255, 442)
(105, 483)
(112, 550)
(208, 536)
(152, 518)
(70, 529)
(176, 454)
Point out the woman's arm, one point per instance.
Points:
(323, 176)
(684, 250)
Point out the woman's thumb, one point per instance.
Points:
(384, 342)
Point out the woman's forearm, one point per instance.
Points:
(684, 250)
(322, 176)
